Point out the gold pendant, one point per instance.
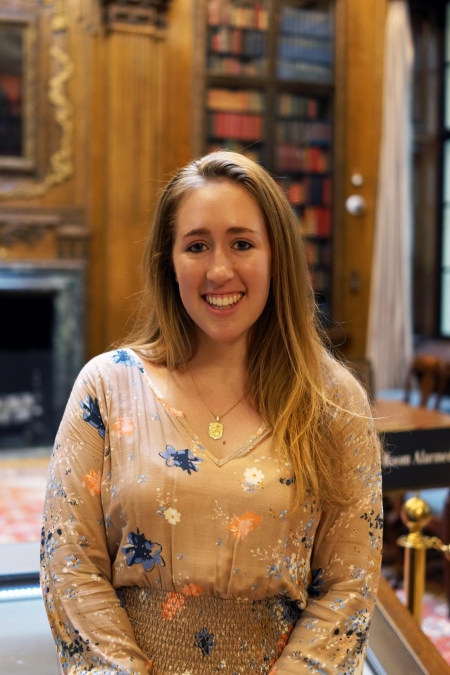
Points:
(215, 430)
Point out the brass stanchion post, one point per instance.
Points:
(415, 514)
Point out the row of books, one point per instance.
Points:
(294, 48)
(303, 133)
(302, 71)
(240, 100)
(238, 42)
(292, 105)
(253, 15)
(310, 190)
(292, 158)
(235, 126)
(230, 65)
(301, 21)
(315, 221)
(254, 152)
(318, 252)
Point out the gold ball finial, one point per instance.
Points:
(415, 514)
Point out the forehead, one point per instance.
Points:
(218, 202)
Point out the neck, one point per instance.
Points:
(226, 360)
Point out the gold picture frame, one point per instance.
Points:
(18, 71)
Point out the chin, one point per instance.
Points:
(224, 337)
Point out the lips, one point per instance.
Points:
(223, 301)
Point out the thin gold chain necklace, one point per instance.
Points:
(215, 429)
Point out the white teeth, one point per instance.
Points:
(218, 301)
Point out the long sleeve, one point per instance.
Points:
(330, 637)
(91, 631)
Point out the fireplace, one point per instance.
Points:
(41, 347)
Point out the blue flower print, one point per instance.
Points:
(142, 551)
(75, 646)
(291, 610)
(122, 356)
(314, 666)
(314, 588)
(72, 561)
(287, 481)
(309, 623)
(358, 624)
(274, 571)
(185, 459)
(91, 414)
(205, 641)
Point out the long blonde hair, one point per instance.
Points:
(287, 363)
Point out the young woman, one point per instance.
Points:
(213, 502)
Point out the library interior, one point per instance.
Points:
(346, 104)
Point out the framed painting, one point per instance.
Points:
(17, 93)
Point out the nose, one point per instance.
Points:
(220, 269)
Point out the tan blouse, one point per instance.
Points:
(134, 500)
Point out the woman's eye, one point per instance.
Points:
(242, 245)
(196, 248)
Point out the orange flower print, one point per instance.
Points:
(124, 426)
(174, 603)
(242, 525)
(192, 589)
(94, 482)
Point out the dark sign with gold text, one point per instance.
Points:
(419, 458)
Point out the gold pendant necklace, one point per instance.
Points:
(215, 429)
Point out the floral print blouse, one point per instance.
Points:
(133, 499)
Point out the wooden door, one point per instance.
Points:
(359, 80)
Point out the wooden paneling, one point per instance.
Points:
(359, 108)
(178, 54)
(96, 171)
(133, 118)
(141, 133)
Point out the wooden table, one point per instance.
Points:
(416, 445)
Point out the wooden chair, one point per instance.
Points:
(428, 371)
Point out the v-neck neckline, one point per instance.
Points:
(257, 437)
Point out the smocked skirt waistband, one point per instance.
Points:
(201, 635)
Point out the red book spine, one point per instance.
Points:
(326, 191)
(324, 222)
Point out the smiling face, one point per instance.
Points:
(222, 260)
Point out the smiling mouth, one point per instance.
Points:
(223, 301)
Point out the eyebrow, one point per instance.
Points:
(232, 230)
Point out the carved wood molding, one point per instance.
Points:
(61, 161)
(29, 228)
(137, 16)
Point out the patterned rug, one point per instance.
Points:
(22, 491)
(435, 620)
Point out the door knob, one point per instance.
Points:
(355, 205)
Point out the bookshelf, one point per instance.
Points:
(268, 73)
